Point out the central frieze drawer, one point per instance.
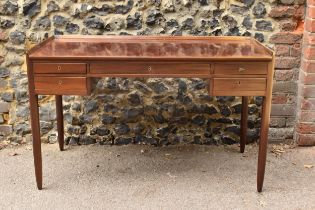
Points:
(61, 85)
(143, 69)
(59, 68)
(239, 68)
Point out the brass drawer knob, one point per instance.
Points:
(59, 68)
(60, 82)
(241, 69)
(149, 68)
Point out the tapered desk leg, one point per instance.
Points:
(36, 140)
(262, 154)
(244, 117)
(59, 111)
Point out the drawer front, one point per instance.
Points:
(59, 68)
(238, 68)
(150, 69)
(239, 86)
(61, 85)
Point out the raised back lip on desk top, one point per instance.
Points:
(142, 48)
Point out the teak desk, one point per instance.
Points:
(234, 66)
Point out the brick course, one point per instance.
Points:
(305, 120)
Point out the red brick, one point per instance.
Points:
(309, 91)
(282, 11)
(5, 129)
(282, 50)
(286, 38)
(310, 25)
(286, 62)
(307, 116)
(306, 139)
(4, 107)
(279, 99)
(311, 2)
(299, 11)
(311, 12)
(288, 25)
(3, 36)
(283, 75)
(309, 53)
(308, 104)
(282, 110)
(306, 128)
(308, 66)
(309, 38)
(309, 79)
(296, 50)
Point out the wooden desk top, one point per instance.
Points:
(150, 48)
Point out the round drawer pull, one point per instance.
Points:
(60, 82)
(241, 69)
(149, 68)
(59, 68)
(238, 83)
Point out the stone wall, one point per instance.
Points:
(154, 111)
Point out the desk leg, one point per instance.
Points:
(59, 111)
(262, 154)
(36, 139)
(244, 117)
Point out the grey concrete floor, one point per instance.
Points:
(147, 177)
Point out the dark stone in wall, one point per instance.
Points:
(124, 9)
(6, 23)
(31, 8)
(17, 37)
(4, 72)
(153, 17)
(122, 129)
(7, 96)
(247, 23)
(59, 21)
(172, 23)
(259, 10)
(52, 7)
(260, 37)
(229, 21)
(93, 22)
(91, 106)
(102, 131)
(188, 24)
(72, 28)
(8, 8)
(105, 9)
(263, 25)
(248, 3)
(238, 9)
(43, 23)
(203, 2)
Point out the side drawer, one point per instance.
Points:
(150, 69)
(59, 68)
(239, 86)
(61, 85)
(238, 68)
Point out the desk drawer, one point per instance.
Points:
(239, 86)
(238, 68)
(150, 69)
(59, 68)
(61, 85)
